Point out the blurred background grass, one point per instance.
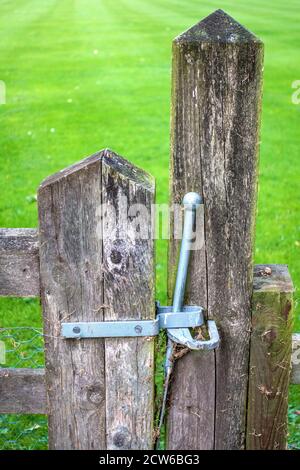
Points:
(82, 75)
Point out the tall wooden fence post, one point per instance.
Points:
(216, 104)
(100, 392)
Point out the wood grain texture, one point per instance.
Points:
(100, 392)
(270, 358)
(22, 391)
(72, 290)
(129, 293)
(216, 104)
(295, 375)
(19, 262)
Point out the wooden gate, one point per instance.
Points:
(99, 393)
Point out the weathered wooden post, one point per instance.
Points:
(216, 104)
(270, 358)
(100, 391)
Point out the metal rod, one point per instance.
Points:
(190, 202)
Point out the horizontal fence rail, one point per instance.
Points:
(22, 391)
(19, 262)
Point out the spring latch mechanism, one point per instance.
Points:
(191, 203)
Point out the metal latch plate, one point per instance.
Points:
(190, 317)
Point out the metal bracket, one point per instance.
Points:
(190, 317)
(184, 337)
(177, 325)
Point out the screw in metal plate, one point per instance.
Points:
(138, 329)
(76, 330)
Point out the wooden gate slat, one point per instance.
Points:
(72, 290)
(129, 289)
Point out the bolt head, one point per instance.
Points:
(76, 330)
(138, 329)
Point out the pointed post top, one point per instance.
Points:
(107, 157)
(217, 27)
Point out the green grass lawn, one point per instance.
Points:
(82, 75)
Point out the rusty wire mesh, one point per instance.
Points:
(22, 347)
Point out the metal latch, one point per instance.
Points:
(182, 335)
(176, 319)
(191, 203)
(189, 317)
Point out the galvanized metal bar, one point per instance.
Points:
(191, 202)
(189, 317)
(109, 329)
